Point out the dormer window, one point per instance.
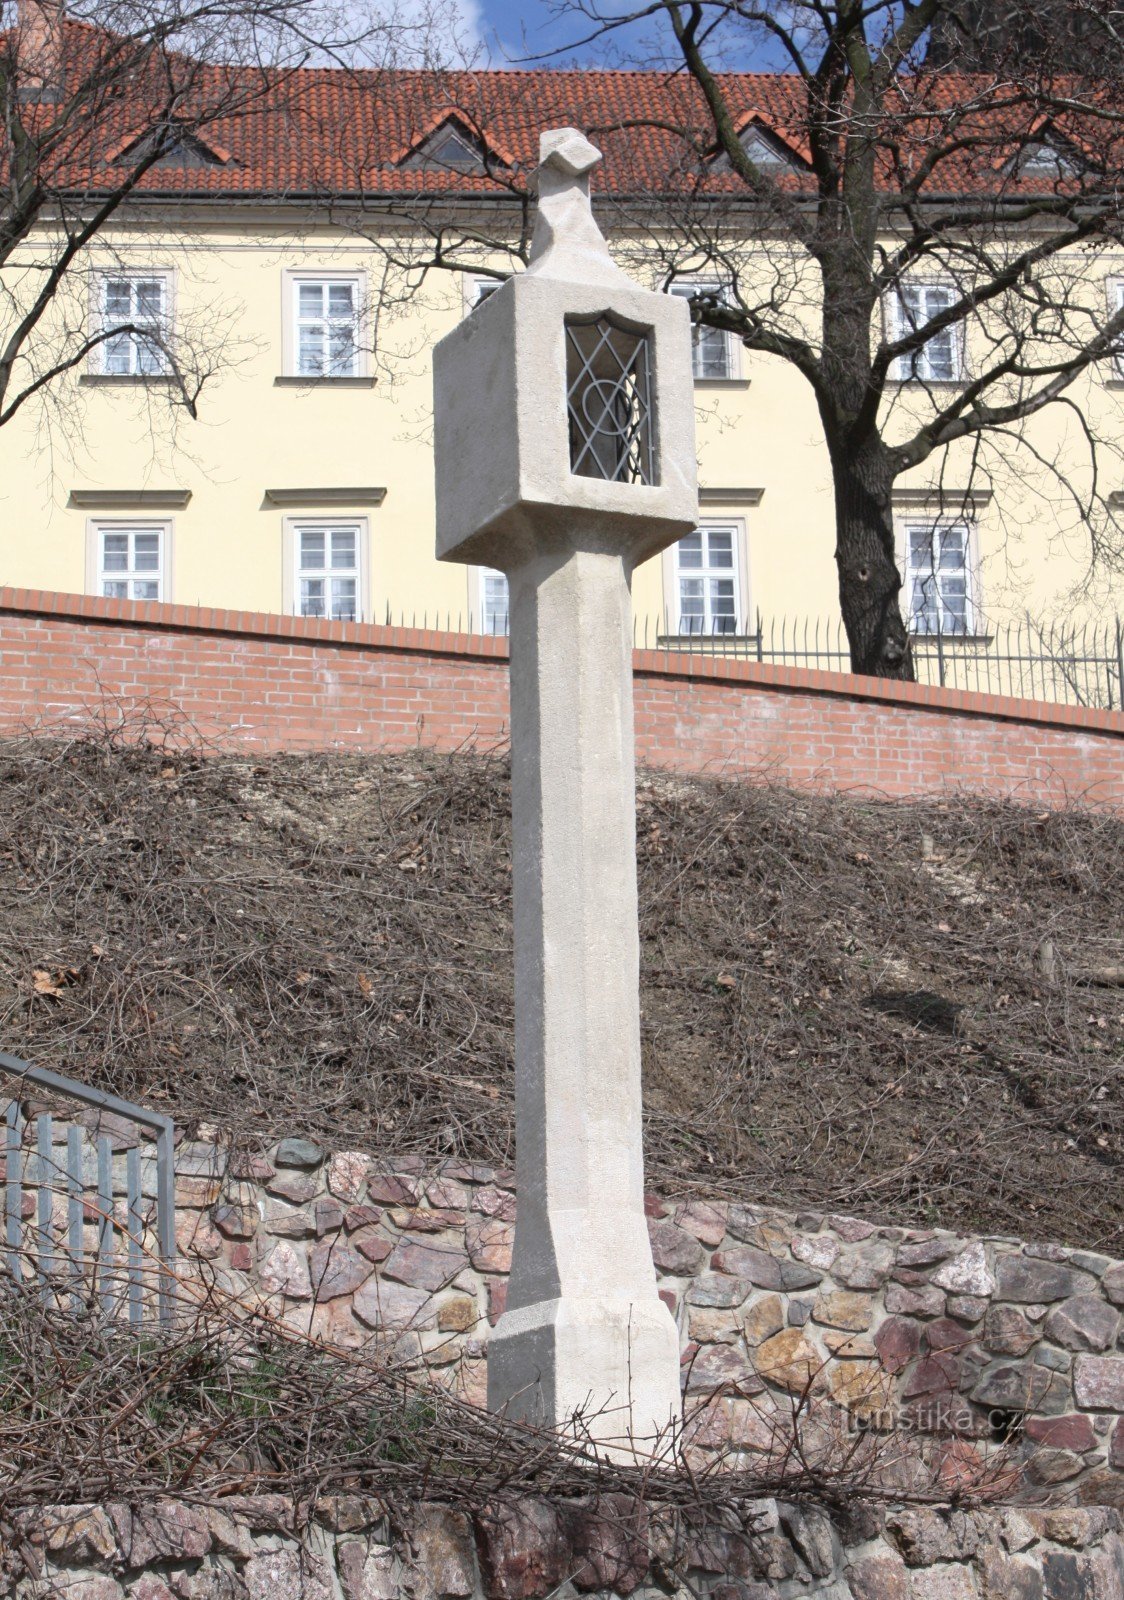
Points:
(177, 146)
(450, 148)
(1046, 158)
(766, 149)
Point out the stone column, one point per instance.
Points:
(585, 1343)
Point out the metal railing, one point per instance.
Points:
(81, 1217)
(1079, 664)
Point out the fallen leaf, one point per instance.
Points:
(43, 982)
(725, 981)
(366, 987)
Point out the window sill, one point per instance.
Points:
(952, 638)
(922, 385)
(128, 380)
(293, 381)
(1114, 383)
(722, 383)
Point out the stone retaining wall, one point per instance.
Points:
(264, 1548)
(967, 1344)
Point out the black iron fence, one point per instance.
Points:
(1079, 664)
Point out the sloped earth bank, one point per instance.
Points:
(869, 1007)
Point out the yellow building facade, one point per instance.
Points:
(305, 482)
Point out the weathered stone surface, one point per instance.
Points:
(865, 1267)
(522, 1550)
(236, 1222)
(897, 1342)
(285, 1271)
(859, 1386)
(850, 1229)
(78, 1533)
(925, 1536)
(328, 1215)
(196, 1236)
(850, 1346)
(924, 1302)
(1021, 1386)
(367, 1571)
(674, 1250)
(812, 1536)
(843, 1308)
(361, 1216)
(944, 1583)
(936, 1374)
(1083, 1323)
(457, 1315)
(447, 1194)
(1022, 1278)
(1071, 1432)
(1113, 1283)
(283, 1575)
(1056, 1360)
(286, 1222)
(717, 1289)
(789, 1360)
(393, 1189)
(417, 1220)
(765, 1270)
(721, 1366)
(1008, 1332)
(297, 1187)
(495, 1202)
(967, 1307)
(799, 1313)
(348, 1171)
(815, 1250)
(298, 1153)
(608, 1540)
(706, 1325)
(926, 1252)
(372, 1244)
(763, 1317)
(423, 1265)
(169, 1530)
(443, 1545)
(394, 1306)
(879, 1578)
(337, 1269)
(489, 1244)
(1098, 1382)
(1008, 1578)
(1047, 1466)
(705, 1219)
(966, 1273)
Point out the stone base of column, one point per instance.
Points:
(602, 1367)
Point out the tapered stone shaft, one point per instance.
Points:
(584, 1331)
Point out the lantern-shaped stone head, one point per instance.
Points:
(564, 404)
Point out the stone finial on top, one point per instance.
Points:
(567, 150)
(567, 242)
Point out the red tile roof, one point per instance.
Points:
(327, 131)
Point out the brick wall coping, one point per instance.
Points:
(313, 631)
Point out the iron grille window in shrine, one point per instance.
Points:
(609, 400)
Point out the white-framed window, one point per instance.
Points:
(711, 351)
(708, 580)
(326, 313)
(139, 304)
(495, 601)
(939, 359)
(327, 580)
(938, 576)
(131, 560)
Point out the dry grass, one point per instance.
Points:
(842, 1001)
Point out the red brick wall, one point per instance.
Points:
(273, 683)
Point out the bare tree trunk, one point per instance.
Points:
(869, 582)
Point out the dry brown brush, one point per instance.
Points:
(847, 1003)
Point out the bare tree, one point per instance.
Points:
(112, 105)
(922, 247)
